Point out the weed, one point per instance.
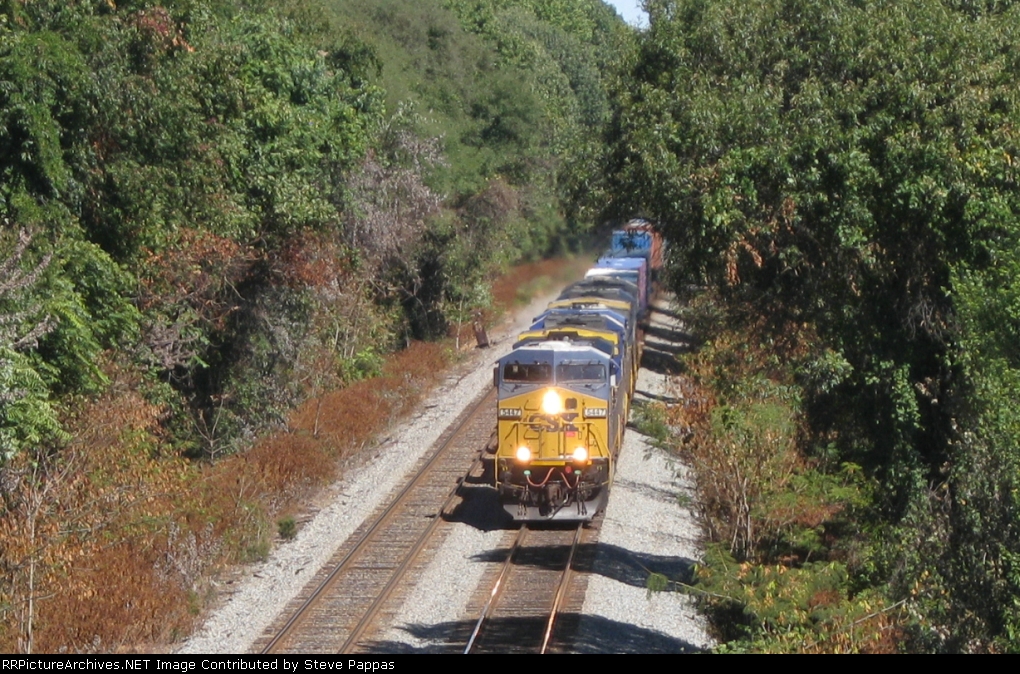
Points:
(650, 420)
(287, 528)
(656, 582)
(256, 550)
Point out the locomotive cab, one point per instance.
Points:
(558, 408)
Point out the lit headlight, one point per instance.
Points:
(551, 403)
(523, 454)
(580, 454)
(595, 412)
(509, 413)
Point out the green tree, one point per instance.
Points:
(850, 166)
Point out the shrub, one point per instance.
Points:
(287, 528)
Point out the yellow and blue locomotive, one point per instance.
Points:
(559, 427)
(564, 392)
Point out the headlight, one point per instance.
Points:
(523, 454)
(509, 413)
(580, 454)
(595, 412)
(551, 403)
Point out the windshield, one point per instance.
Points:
(527, 373)
(580, 372)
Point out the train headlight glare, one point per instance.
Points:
(580, 454)
(523, 454)
(551, 403)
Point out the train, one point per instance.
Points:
(564, 391)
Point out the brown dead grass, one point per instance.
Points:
(525, 281)
(139, 608)
(89, 561)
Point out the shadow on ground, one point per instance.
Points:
(480, 507)
(610, 561)
(660, 362)
(574, 634)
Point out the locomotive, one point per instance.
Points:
(564, 392)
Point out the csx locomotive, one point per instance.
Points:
(564, 391)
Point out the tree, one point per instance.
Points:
(850, 167)
(27, 418)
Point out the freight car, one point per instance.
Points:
(564, 392)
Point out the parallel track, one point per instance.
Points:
(340, 606)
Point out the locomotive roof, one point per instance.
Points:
(601, 340)
(621, 262)
(613, 288)
(579, 298)
(605, 319)
(554, 352)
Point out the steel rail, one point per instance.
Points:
(398, 573)
(497, 589)
(380, 521)
(561, 590)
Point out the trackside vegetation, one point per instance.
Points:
(218, 220)
(842, 178)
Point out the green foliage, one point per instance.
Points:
(504, 100)
(751, 450)
(132, 131)
(41, 111)
(287, 528)
(363, 364)
(650, 420)
(656, 582)
(28, 420)
(850, 167)
(778, 609)
(104, 288)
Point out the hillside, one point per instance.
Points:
(215, 212)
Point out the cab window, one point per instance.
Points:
(527, 373)
(581, 372)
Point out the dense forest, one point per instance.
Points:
(842, 178)
(220, 218)
(214, 212)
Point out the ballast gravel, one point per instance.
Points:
(645, 530)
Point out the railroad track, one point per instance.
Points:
(341, 606)
(529, 592)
